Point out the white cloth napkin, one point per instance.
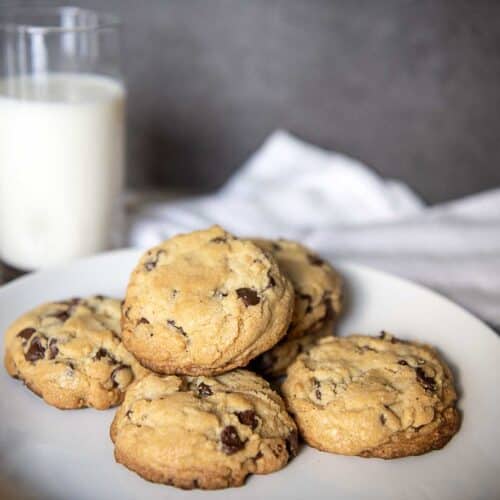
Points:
(343, 209)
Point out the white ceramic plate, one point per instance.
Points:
(67, 455)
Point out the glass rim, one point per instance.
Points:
(104, 20)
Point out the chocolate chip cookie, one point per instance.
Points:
(317, 285)
(372, 397)
(70, 353)
(204, 303)
(203, 432)
(274, 363)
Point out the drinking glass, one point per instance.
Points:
(62, 105)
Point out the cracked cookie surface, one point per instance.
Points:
(204, 303)
(317, 285)
(274, 363)
(70, 353)
(203, 432)
(373, 397)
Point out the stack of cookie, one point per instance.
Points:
(198, 309)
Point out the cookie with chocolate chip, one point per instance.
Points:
(274, 363)
(70, 353)
(317, 285)
(204, 303)
(203, 432)
(372, 397)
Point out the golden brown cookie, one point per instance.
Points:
(373, 397)
(70, 353)
(318, 286)
(203, 432)
(204, 303)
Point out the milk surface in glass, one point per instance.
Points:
(61, 166)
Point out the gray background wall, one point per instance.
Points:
(411, 87)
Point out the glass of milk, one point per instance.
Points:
(62, 103)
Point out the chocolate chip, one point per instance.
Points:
(315, 260)
(259, 455)
(247, 417)
(62, 316)
(204, 390)
(71, 302)
(36, 350)
(143, 321)
(218, 239)
(26, 333)
(382, 419)
(99, 297)
(402, 362)
(392, 338)
(71, 306)
(129, 412)
(308, 299)
(150, 265)
(248, 296)
(387, 336)
(272, 281)
(317, 391)
(53, 350)
(292, 444)
(231, 442)
(173, 324)
(275, 247)
(428, 383)
(101, 353)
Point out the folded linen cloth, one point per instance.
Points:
(343, 209)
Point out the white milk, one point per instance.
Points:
(61, 167)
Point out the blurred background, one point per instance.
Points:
(410, 87)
